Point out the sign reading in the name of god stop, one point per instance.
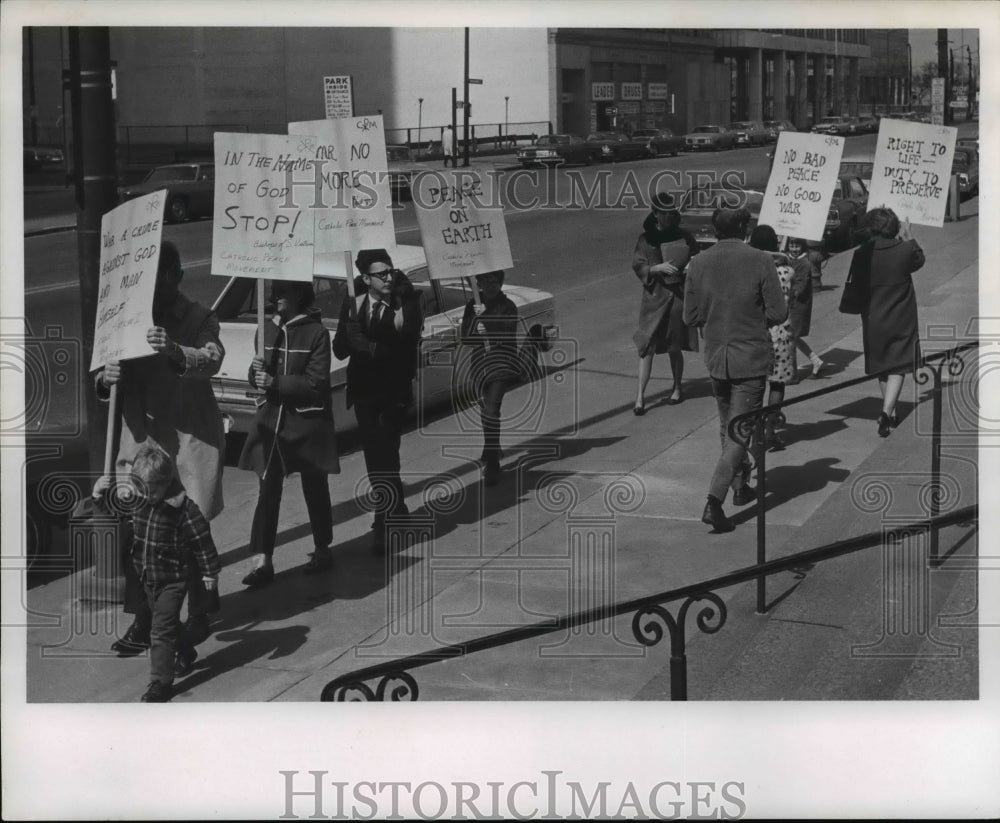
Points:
(800, 188)
(263, 226)
(130, 254)
(912, 170)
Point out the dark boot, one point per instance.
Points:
(134, 641)
(715, 517)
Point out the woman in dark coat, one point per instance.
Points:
(661, 312)
(293, 431)
(884, 266)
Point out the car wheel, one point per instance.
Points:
(177, 210)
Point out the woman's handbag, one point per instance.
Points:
(855, 295)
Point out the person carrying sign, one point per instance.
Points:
(167, 400)
(293, 431)
(491, 328)
(381, 337)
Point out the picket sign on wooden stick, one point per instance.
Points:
(260, 317)
(109, 444)
(478, 300)
(352, 306)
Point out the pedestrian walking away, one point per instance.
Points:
(293, 431)
(166, 399)
(804, 283)
(490, 327)
(381, 342)
(733, 293)
(448, 146)
(661, 254)
(783, 365)
(171, 544)
(883, 269)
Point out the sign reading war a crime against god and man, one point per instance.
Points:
(463, 232)
(355, 207)
(800, 188)
(338, 96)
(912, 170)
(263, 225)
(130, 254)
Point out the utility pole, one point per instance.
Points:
(96, 181)
(942, 45)
(465, 103)
(970, 96)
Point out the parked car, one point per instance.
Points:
(972, 141)
(833, 125)
(750, 133)
(614, 146)
(709, 138)
(190, 189)
(555, 149)
(32, 162)
(965, 164)
(402, 169)
(38, 157)
(848, 206)
(778, 126)
(698, 205)
(867, 124)
(444, 303)
(660, 141)
(858, 163)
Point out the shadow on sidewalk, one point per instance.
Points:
(785, 483)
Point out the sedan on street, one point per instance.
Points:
(614, 146)
(750, 133)
(848, 206)
(555, 149)
(965, 165)
(660, 141)
(444, 304)
(190, 189)
(698, 206)
(834, 125)
(778, 126)
(709, 138)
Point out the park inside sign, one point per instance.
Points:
(800, 188)
(354, 209)
(263, 227)
(130, 255)
(912, 170)
(338, 95)
(463, 233)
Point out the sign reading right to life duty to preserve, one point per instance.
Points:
(801, 184)
(912, 170)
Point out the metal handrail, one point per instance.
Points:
(747, 429)
(710, 618)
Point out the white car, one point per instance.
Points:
(444, 304)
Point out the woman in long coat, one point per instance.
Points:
(890, 329)
(661, 312)
(293, 431)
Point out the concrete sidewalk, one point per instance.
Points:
(595, 507)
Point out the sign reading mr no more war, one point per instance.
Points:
(912, 170)
(801, 184)
(130, 255)
(263, 227)
(353, 179)
(461, 236)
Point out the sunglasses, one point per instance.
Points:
(385, 274)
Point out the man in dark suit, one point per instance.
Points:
(381, 342)
(732, 291)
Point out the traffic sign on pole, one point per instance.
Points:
(475, 81)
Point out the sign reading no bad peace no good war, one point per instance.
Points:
(130, 255)
(912, 170)
(800, 188)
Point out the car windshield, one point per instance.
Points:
(741, 125)
(166, 173)
(602, 135)
(707, 129)
(553, 140)
(830, 120)
(711, 199)
(398, 153)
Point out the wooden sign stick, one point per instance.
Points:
(352, 307)
(109, 443)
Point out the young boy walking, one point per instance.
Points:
(171, 543)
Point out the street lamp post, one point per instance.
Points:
(909, 75)
(420, 121)
(506, 115)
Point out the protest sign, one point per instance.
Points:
(912, 170)
(130, 254)
(353, 179)
(463, 233)
(263, 227)
(800, 188)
